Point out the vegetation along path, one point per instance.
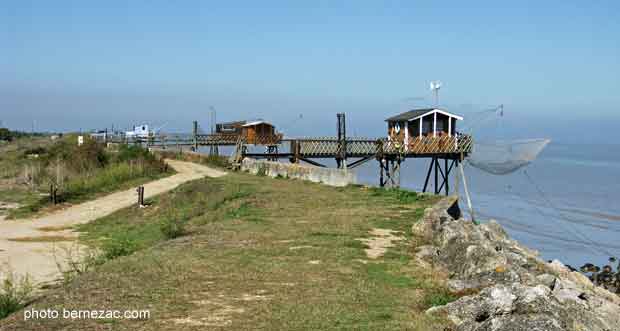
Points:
(29, 246)
(245, 252)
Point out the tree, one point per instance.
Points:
(6, 134)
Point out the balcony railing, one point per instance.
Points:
(431, 145)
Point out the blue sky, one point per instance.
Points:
(86, 64)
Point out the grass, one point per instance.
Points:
(239, 265)
(15, 293)
(81, 172)
(439, 298)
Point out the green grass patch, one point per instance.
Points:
(380, 273)
(400, 195)
(438, 298)
(257, 252)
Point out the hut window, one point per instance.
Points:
(427, 125)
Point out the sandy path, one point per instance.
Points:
(37, 259)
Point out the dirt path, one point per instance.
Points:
(25, 246)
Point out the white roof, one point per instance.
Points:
(440, 111)
(256, 123)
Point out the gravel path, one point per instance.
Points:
(35, 257)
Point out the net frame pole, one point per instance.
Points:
(469, 205)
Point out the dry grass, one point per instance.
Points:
(240, 267)
(55, 228)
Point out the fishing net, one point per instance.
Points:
(505, 157)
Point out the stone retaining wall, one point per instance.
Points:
(327, 176)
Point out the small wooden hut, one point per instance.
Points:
(426, 122)
(258, 132)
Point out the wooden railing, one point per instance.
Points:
(442, 144)
(330, 146)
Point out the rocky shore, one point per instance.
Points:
(503, 285)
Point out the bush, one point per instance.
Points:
(262, 170)
(86, 158)
(173, 227)
(14, 294)
(440, 298)
(117, 247)
(77, 260)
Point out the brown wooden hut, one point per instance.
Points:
(259, 132)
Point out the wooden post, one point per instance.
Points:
(341, 157)
(53, 194)
(428, 174)
(381, 182)
(297, 151)
(140, 191)
(447, 175)
(436, 175)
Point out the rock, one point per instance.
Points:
(547, 280)
(515, 289)
(427, 252)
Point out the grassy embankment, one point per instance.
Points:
(30, 165)
(250, 253)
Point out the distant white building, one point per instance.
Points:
(141, 131)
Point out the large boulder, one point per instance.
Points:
(515, 289)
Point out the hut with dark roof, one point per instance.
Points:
(425, 122)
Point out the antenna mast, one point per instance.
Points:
(212, 119)
(435, 86)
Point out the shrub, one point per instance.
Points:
(14, 294)
(216, 160)
(77, 260)
(117, 247)
(439, 298)
(173, 227)
(262, 170)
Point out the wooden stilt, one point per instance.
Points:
(436, 176)
(381, 182)
(428, 174)
(446, 176)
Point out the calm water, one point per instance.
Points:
(565, 205)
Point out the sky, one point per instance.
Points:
(82, 65)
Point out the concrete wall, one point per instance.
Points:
(327, 176)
